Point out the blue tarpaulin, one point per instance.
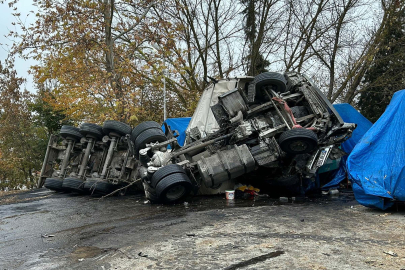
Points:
(179, 124)
(376, 165)
(349, 115)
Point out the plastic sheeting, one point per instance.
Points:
(338, 176)
(179, 124)
(349, 115)
(376, 165)
(203, 118)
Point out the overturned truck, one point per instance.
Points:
(273, 130)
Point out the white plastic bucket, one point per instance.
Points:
(230, 194)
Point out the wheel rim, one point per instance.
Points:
(175, 192)
(298, 146)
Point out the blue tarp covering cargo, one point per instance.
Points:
(179, 124)
(349, 115)
(376, 165)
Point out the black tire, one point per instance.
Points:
(148, 136)
(165, 171)
(103, 187)
(70, 133)
(286, 181)
(116, 127)
(73, 184)
(274, 79)
(142, 127)
(298, 141)
(92, 130)
(173, 187)
(54, 184)
(89, 185)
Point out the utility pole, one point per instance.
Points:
(164, 93)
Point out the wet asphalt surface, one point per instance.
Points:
(41, 229)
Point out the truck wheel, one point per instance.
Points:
(287, 180)
(165, 171)
(173, 187)
(73, 184)
(116, 127)
(148, 136)
(54, 184)
(103, 187)
(274, 79)
(89, 185)
(69, 132)
(142, 127)
(298, 141)
(93, 130)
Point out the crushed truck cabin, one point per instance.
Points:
(272, 131)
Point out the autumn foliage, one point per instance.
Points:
(22, 143)
(92, 56)
(106, 59)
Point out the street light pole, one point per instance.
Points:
(164, 94)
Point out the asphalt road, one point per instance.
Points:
(45, 230)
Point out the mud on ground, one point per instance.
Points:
(45, 230)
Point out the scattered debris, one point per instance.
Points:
(246, 192)
(140, 254)
(47, 235)
(333, 192)
(230, 194)
(391, 253)
(255, 260)
(299, 199)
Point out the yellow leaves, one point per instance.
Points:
(70, 43)
(133, 118)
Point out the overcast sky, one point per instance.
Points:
(6, 18)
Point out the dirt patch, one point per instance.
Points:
(11, 192)
(85, 252)
(16, 199)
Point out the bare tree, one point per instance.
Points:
(198, 40)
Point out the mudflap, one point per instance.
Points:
(150, 193)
